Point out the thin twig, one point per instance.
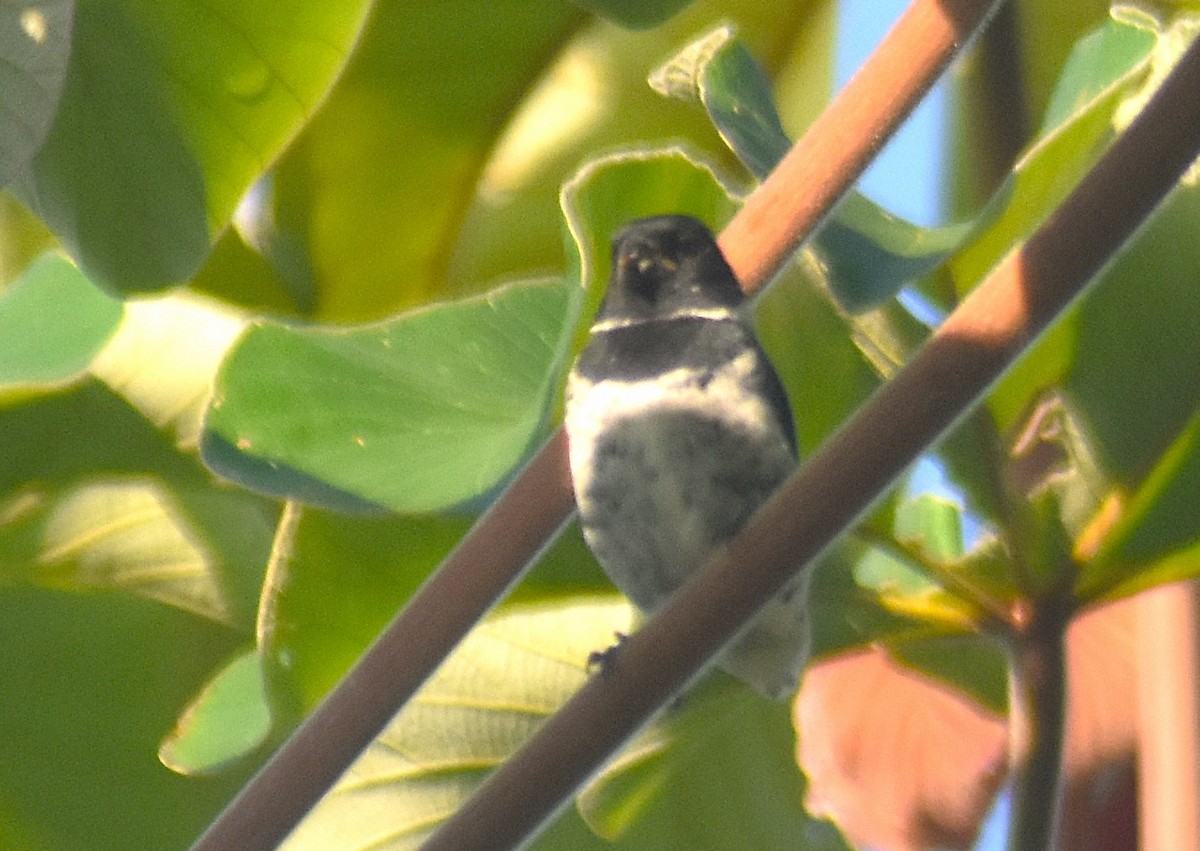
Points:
(997, 321)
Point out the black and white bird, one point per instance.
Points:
(679, 429)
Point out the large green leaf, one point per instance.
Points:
(170, 110)
(35, 44)
(420, 412)
(1134, 373)
(345, 579)
(136, 536)
(498, 688)
(362, 212)
(93, 498)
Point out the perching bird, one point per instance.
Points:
(679, 429)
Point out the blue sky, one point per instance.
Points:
(905, 177)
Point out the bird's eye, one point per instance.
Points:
(655, 262)
(647, 263)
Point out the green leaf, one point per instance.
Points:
(901, 588)
(816, 351)
(53, 322)
(635, 14)
(227, 720)
(1134, 375)
(345, 579)
(420, 412)
(718, 71)
(933, 524)
(1099, 60)
(35, 44)
(972, 663)
(506, 677)
(368, 203)
(1154, 540)
(593, 97)
(870, 254)
(169, 111)
(718, 771)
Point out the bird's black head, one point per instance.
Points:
(665, 266)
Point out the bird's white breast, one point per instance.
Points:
(664, 465)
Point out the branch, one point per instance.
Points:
(493, 555)
(841, 143)
(1037, 704)
(998, 321)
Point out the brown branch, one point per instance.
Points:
(979, 340)
(839, 145)
(775, 218)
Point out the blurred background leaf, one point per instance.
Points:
(35, 45)
(168, 113)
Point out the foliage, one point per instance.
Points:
(341, 254)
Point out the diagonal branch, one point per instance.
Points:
(997, 322)
(493, 555)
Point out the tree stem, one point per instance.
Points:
(1037, 684)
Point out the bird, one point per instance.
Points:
(678, 429)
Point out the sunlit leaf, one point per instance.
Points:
(496, 689)
(164, 357)
(133, 535)
(718, 71)
(932, 523)
(1097, 61)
